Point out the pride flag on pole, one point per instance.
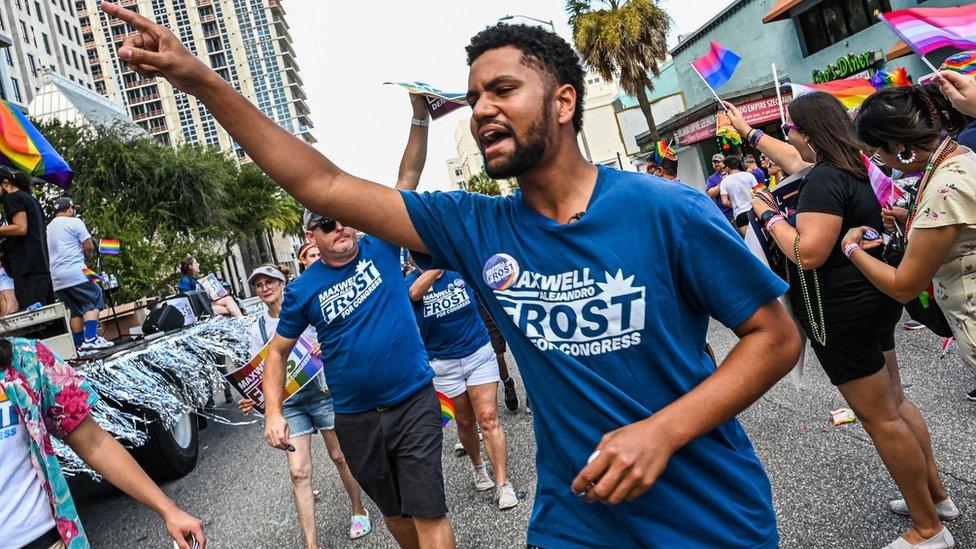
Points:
(716, 66)
(109, 246)
(884, 188)
(23, 148)
(851, 91)
(928, 29)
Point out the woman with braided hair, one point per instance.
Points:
(911, 129)
(849, 321)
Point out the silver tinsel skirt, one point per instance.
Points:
(171, 376)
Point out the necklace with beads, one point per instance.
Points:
(939, 155)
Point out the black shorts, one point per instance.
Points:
(33, 288)
(742, 220)
(497, 341)
(855, 347)
(395, 455)
(81, 298)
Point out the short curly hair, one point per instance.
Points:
(540, 48)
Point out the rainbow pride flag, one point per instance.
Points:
(23, 148)
(109, 246)
(963, 62)
(663, 150)
(928, 29)
(447, 408)
(716, 66)
(850, 91)
(93, 276)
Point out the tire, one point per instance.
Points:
(170, 453)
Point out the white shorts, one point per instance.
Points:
(453, 376)
(6, 283)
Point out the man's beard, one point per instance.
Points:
(527, 154)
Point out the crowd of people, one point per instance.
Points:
(578, 272)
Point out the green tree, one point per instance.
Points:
(623, 40)
(481, 183)
(164, 203)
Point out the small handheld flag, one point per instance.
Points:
(963, 62)
(22, 147)
(447, 408)
(93, 276)
(109, 246)
(716, 66)
(928, 29)
(851, 91)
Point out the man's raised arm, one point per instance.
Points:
(301, 170)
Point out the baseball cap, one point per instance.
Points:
(269, 271)
(63, 204)
(718, 158)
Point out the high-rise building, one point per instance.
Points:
(245, 41)
(37, 37)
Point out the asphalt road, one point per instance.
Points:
(829, 486)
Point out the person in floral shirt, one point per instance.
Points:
(42, 396)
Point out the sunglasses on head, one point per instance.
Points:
(327, 224)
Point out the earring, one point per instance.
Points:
(901, 156)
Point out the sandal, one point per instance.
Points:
(359, 526)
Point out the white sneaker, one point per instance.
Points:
(482, 481)
(459, 449)
(506, 496)
(942, 540)
(946, 509)
(94, 344)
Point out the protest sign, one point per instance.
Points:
(301, 368)
(439, 102)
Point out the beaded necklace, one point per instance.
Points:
(939, 155)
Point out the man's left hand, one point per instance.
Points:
(629, 462)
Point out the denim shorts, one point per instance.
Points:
(309, 411)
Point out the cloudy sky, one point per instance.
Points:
(346, 50)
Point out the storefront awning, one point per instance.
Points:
(900, 49)
(781, 10)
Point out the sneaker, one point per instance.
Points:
(971, 395)
(359, 526)
(946, 509)
(942, 540)
(511, 396)
(913, 325)
(506, 497)
(459, 449)
(96, 344)
(482, 481)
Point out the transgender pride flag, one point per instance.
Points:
(928, 29)
(716, 66)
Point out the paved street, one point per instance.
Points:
(830, 488)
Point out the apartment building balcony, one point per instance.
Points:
(128, 2)
(147, 115)
(90, 45)
(144, 98)
(81, 11)
(297, 92)
(211, 34)
(139, 83)
(204, 3)
(208, 18)
(155, 130)
(86, 29)
(276, 7)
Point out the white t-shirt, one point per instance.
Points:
(65, 235)
(257, 339)
(24, 508)
(738, 187)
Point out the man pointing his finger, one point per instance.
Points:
(600, 281)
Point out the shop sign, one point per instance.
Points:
(846, 66)
(755, 112)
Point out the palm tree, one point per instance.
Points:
(623, 39)
(481, 183)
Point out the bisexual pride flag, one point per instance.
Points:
(716, 66)
(928, 29)
(23, 148)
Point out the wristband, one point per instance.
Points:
(773, 221)
(850, 249)
(755, 136)
(422, 122)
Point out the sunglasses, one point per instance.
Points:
(787, 128)
(327, 224)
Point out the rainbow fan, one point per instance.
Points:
(447, 408)
(963, 62)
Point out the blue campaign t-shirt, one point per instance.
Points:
(448, 317)
(607, 319)
(371, 348)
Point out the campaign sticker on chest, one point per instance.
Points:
(580, 312)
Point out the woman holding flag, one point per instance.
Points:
(310, 410)
(850, 322)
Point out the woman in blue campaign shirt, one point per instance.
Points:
(465, 370)
(587, 303)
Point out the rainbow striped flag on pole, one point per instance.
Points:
(109, 246)
(928, 29)
(23, 148)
